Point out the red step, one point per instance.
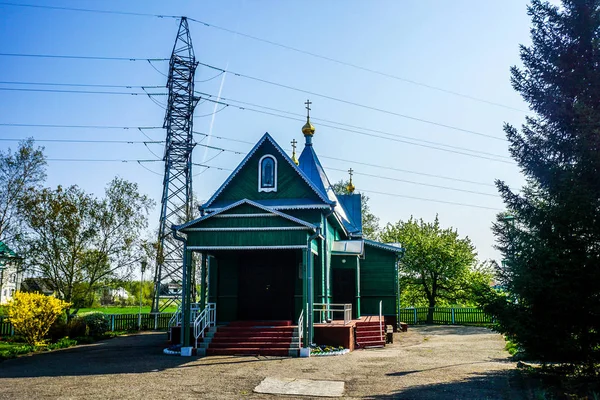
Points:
(368, 334)
(260, 323)
(250, 345)
(367, 328)
(219, 339)
(378, 343)
(273, 338)
(251, 329)
(247, 352)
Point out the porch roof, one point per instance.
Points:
(393, 247)
(347, 247)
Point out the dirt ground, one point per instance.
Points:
(427, 362)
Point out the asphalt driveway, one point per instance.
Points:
(428, 362)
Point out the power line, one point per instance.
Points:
(73, 57)
(228, 169)
(89, 10)
(409, 171)
(356, 66)
(82, 92)
(82, 85)
(367, 164)
(150, 140)
(431, 200)
(84, 141)
(277, 44)
(415, 183)
(355, 126)
(478, 153)
(77, 126)
(337, 99)
(370, 134)
(150, 95)
(99, 160)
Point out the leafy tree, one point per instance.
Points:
(370, 222)
(32, 315)
(79, 242)
(19, 171)
(436, 264)
(551, 246)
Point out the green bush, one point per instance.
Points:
(77, 327)
(97, 323)
(58, 330)
(62, 344)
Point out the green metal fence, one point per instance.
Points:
(118, 322)
(6, 328)
(446, 316)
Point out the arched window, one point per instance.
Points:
(267, 174)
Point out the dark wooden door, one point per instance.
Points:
(265, 287)
(343, 288)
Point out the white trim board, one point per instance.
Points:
(249, 229)
(288, 247)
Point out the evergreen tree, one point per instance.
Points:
(551, 240)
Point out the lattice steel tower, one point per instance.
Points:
(176, 203)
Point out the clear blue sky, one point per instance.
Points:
(460, 46)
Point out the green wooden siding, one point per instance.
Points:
(311, 216)
(227, 288)
(243, 222)
(336, 262)
(250, 238)
(244, 209)
(378, 281)
(289, 183)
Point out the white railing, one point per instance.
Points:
(205, 319)
(325, 309)
(176, 318)
(300, 328)
(380, 319)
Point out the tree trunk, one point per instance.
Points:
(430, 310)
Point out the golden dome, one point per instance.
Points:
(350, 187)
(308, 129)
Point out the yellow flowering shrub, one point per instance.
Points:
(32, 315)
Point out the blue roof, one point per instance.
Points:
(352, 205)
(311, 166)
(385, 246)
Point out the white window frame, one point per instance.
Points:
(269, 189)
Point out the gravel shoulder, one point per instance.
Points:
(427, 362)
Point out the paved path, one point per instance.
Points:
(429, 362)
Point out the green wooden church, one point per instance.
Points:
(281, 249)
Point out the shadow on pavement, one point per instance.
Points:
(127, 354)
(404, 373)
(489, 386)
(450, 329)
(140, 353)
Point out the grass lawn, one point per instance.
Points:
(9, 345)
(124, 310)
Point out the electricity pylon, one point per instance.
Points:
(176, 202)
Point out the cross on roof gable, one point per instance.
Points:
(267, 137)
